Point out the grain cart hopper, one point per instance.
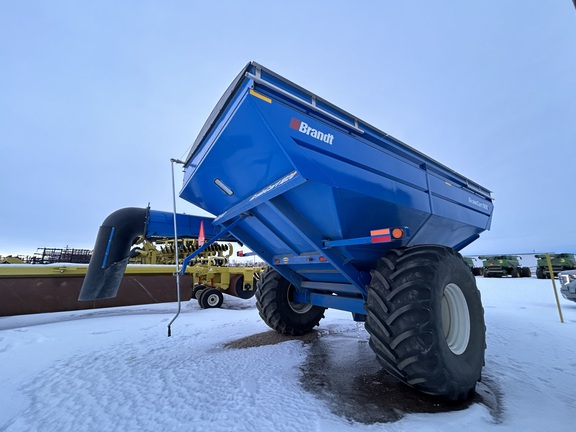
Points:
(560, 262)
(504, 265)
(347, 217)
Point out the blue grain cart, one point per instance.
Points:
(346, 216)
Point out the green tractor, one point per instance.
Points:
(560, 262)
(476, 271)
(504, 265)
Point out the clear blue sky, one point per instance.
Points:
(97, 96)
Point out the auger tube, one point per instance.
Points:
(112, 252)
(116, 236)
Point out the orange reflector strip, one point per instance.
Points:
(322, 259)
(381, 236)
(397, 233)
(380, 232)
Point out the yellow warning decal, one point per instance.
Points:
(260, 96)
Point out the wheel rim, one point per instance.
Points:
(212, 300)
(299, 308)
(455, 319)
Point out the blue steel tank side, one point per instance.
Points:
(269, 84)
(266, 82)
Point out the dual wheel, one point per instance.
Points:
(424, 317)
(541, 274)
(520, 272)
(207, 297)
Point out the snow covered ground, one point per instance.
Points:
(224, 370)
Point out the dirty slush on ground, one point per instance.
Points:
(342, 370)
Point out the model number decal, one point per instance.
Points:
(275, 185)
(478, 203)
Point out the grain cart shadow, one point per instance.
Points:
(342, 370)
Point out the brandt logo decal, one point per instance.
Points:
(302, 127)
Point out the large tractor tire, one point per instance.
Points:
(274, 296)
(525, 272)
(540, 273)
(426, 321)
